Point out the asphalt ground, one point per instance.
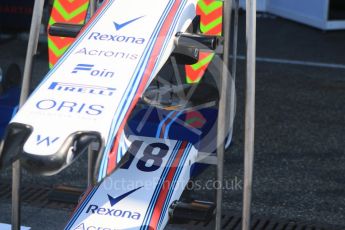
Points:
(299, 138)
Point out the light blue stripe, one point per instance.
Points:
(122, 148)
(166, 133)
(172, 28)
(162, 123)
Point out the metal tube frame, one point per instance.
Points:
(249, 106)
(235, 41)
(90, 152)
(25, 89)
(222, 112)
(16, 184)
(249, 111)
(31, 51)
(93, 7)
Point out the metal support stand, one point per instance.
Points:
(235, 41)
(249, 111)
(16, 180)
(90, 166)
(31, 51)
(93, 7)
(222, 112)
(231, 87)
(90, 152)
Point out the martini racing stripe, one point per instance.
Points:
(144, 80)
(146, 74)
(167, 128)
(129, 91)
(112, 131)
(173, 185)
(160, 183)
(157, 203)
(170, 34)
(163, 122)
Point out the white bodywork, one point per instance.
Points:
(94, 83)
(143, 197)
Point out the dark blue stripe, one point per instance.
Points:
(82, 68)
(85, 65)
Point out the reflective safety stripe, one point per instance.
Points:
(195, 72)
(64, 11)
(211, 15)
(211, 12)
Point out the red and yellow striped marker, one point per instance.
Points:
(64, 11)
(211, 16)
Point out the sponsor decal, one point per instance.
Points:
(94, 209)
(113, 212)
(70, 107)
(46, 140)
(89, 68)
(86, 67)
(83, 226)
(119, 26)
(79, 88)
(118, 38)
(108, 54)
(97, 36)
(115, 200)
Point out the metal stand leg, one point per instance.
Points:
(32, 48)
(222, 113)
(249, 111)
(231, 87)
(91, 166)
(93, 7)
(235, 41)
(16, 180)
